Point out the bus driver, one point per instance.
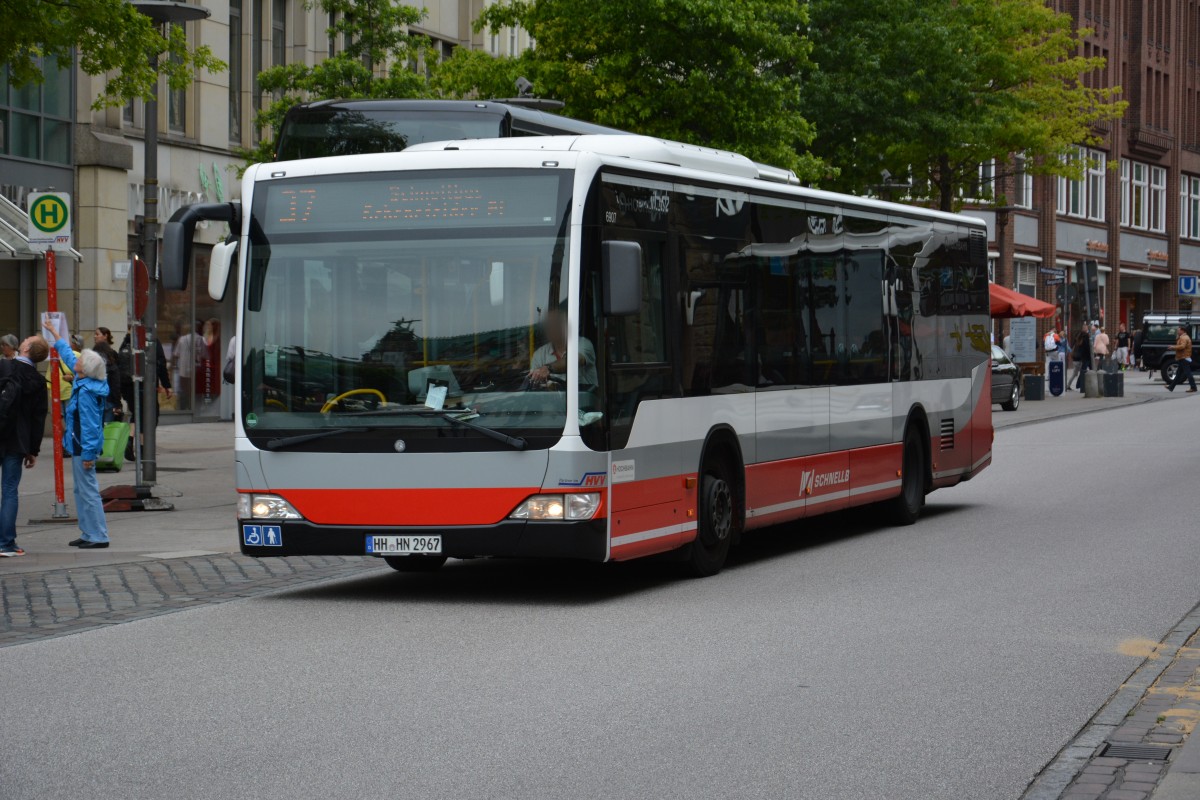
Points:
(551, 358)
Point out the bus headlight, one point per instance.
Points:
(265, 506)
(574, 506)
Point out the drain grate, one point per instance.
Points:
(1137, 752)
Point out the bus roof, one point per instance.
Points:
(531, 116)
(629, 149)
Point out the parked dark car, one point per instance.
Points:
(1007, 382)
(1158, 334)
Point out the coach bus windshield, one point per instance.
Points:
(316, 132)
(385, 310)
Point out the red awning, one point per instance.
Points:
(1006, 303)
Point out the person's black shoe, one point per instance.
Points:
(92, 545)
(76, 542)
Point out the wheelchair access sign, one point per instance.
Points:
(1189, 285)
(49, 221)
(262, 536)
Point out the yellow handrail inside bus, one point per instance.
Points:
(329, 404)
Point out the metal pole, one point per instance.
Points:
(60, 502)
(149, 471)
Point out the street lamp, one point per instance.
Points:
(163, 13)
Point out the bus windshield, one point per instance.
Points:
(318, 132)
(380, 304)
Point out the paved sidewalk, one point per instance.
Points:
(58, 602)
(1139, 745)
(195, 472)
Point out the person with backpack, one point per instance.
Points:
(23, 409)
(1050, 344)
(83, 437)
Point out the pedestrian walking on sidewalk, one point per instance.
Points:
(20, 432)
(1099, 346)
(1082, 355)
(1122, 352)
(83, 437)
(1183, 357)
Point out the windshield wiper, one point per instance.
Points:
(292, 441)
(515, 442)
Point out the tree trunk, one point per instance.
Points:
(945, 184)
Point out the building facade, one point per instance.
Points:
(51, 138)
(1136, 211)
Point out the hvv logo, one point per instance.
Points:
(811, 479)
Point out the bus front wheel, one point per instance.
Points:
(717, 522)
(415, 563)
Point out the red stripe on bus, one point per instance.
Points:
(413, 507)
(648, 492)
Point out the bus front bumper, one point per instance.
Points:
(508, 539)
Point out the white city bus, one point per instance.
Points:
(716, 350)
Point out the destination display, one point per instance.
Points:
(400, 201)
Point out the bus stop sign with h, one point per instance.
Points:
(50, 229)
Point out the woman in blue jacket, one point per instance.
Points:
(83, 438)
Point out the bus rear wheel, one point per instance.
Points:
(415, 563)
(906, 508)
(717, 523)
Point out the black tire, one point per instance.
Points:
(415, 563)
(905, 508)
(717, 524)
(1014, 400)
(1169, 371)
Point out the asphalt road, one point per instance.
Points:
(834, 659)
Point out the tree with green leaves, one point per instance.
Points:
(110, 36)
(933, 88)
(710, 72)
(376, 59)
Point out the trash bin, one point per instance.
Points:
(1057, 377)
(1114, 384)
(1091, 383)
(1035, 387)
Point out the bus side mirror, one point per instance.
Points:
(177, 238)
(219, 266)
(621, 265)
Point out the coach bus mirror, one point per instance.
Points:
(177, 238)
(496, 283)
(219, 267)
(622, 273)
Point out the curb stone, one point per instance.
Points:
(1139, 712)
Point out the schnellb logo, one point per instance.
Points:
(810, 479)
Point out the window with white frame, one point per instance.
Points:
(1144, 196)
(1158, 199)
(1189, 207)
(1022, 184)
(1027, 278)
(1125, 191)
(982, 185)
(1096, 168)
(1139, 195)
(1084, 198)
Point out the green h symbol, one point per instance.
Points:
(49, 214)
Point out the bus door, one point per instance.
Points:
(646, 430)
